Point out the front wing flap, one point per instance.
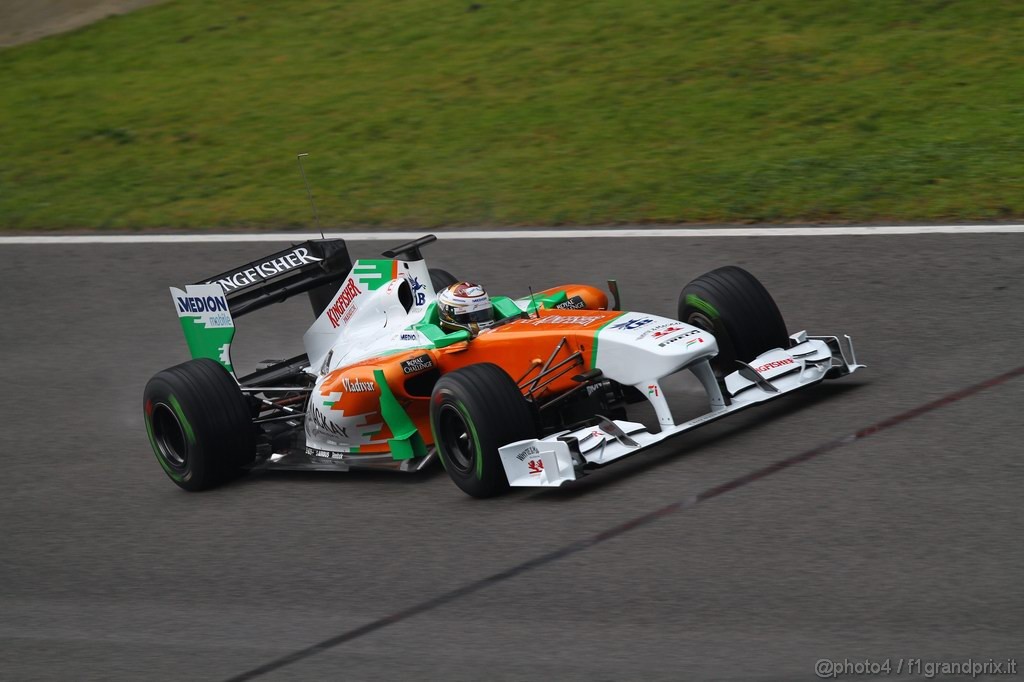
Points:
(565, 456)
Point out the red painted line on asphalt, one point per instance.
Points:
(626, 526)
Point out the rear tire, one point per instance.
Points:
(199, 424)
(734, 306)
(474, 411)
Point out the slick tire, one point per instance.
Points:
(734, 306)
(474, 411)
(441, 279)
(199, 424)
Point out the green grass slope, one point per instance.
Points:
(432, 112)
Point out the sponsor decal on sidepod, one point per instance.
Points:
(416, 364)
(358, 386)
(324, 424)
(342, 304)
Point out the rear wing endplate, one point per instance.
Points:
(207, 308)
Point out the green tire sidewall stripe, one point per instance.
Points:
(702, 305)
(189, 433)
(476, 439)
(156, 451)
(437, 441)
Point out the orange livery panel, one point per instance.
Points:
(521, 347)
(346, 408)
(579, 297)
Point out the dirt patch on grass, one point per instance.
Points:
(23, 21)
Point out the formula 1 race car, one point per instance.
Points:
(538, 399)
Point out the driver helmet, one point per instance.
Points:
(465, 305)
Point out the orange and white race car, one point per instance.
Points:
(538, 398)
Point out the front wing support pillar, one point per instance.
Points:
(702, 370)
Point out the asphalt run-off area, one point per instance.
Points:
(873, 517)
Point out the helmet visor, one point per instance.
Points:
(479, 317)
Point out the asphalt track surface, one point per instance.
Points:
(903, 542)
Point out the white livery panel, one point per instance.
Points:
(562, 457)
(638, 347)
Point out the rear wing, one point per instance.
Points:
(317, 266)
(207, 308)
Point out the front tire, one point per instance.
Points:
(199, 424)
(474, 411)
(734, 306)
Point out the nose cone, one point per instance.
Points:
(638, 347)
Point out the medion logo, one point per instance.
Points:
(202, 304)
(266, 270)
(336, 313)
(357, 386)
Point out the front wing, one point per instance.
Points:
(565, 456)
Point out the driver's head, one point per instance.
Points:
(465, 305)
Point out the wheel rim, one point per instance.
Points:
(701, 320)
(169, 436)
(456, 443)
(723, 363)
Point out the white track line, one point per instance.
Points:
(632, 232)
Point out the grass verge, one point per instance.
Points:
(515, 112)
